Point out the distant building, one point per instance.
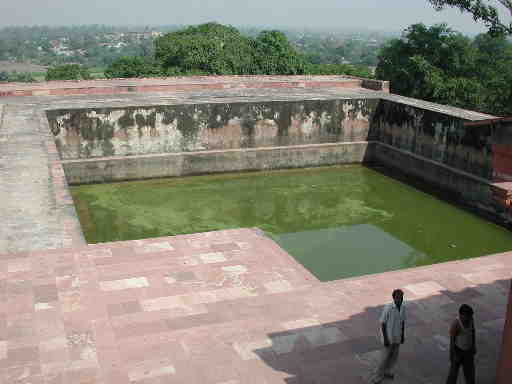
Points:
(137, 36)
(116, 45)
(113, 36)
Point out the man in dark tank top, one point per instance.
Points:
(462, 346)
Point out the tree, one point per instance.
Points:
(210, 48)
(275, 55)
(133, 66)
(440, 65)
(410, 61)
(481, 11)
(222, 50)
(67, 72)
(17, 77)
(494, 65)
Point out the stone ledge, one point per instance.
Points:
(101, 170)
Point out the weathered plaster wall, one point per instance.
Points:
(435, 136)
(89, 133)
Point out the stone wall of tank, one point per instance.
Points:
(94, 133)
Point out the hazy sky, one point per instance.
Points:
(393, 15)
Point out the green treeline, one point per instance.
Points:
(67, 72)
(215, 49)
(13, 77)
(130, 51)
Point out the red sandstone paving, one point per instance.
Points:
(227, 307)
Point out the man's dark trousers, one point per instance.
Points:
(467, 360)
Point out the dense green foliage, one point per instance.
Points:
(440, 65)
(21, 77)
(243, 51)
(222, 50)
(211, 48)
(133, 66)
(67, 72)
(341, 50)
(488, 14)
(273, 54)
(215, 49)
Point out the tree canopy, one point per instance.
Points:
(481, 11)
(273, 54)
(22, 77)
(67, 72)
(133, 66)
(211, 48)
(215, 49)
(441, 65)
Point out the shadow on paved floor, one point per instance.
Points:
(347, 351)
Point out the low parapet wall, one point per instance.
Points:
(188, 83)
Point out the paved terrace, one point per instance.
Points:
(226, 307)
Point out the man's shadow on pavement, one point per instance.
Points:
(348, 351)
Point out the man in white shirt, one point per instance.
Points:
(392, 323)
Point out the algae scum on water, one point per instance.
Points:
(337, 221)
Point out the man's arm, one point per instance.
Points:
(383, 325)
(404, 319)
(385, 334)
(473, 348)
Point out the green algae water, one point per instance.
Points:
(337, 221)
